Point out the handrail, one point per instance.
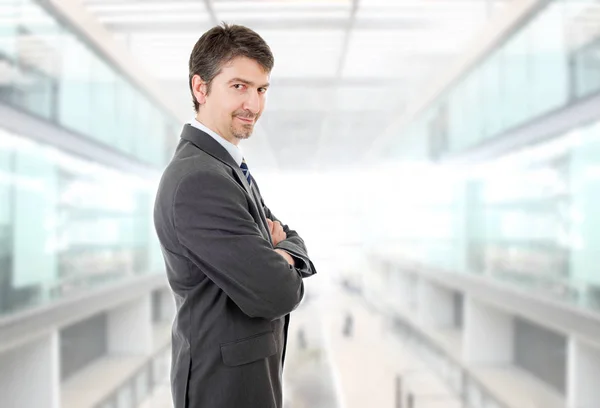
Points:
(21, 327)
(412, 331)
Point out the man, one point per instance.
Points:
(235, 271)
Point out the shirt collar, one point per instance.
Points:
(232, 149)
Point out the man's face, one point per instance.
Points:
(236, 99)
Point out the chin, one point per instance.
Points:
(243, 133)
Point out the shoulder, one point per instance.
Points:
(194, 172)
(190, 161)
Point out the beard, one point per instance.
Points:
(244, 131)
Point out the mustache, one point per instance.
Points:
(245, 114)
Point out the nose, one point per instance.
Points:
(252, 103)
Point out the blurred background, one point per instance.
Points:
(443, 159)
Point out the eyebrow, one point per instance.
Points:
(246, 82)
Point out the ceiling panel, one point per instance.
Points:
(310, 53)
(400, 53)
(278, 4)
(241, 15)
(135, 7)
(298, 98)
(366, 98)
(339, 77)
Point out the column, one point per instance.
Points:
(130, 328)
(435, 305)
(30, 375)
(488, 334)
(583, 372)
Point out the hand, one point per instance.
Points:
(286, 256)
(276, 231)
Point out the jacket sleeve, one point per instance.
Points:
(294, 245)
(218, 234)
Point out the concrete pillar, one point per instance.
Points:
(583, 372)
(30, 375)
(400, 287)
(435, 305)
(488, 335)
(130, 328)
(413, 282)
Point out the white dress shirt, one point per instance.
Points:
(233, 150)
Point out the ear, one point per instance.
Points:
(199, 87)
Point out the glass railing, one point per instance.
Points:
(529, 219)
(548, 63)
(471, 392)
(139, 387)
(47, 70)
(68, 225)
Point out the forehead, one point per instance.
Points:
(245, 68)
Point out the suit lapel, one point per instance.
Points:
(261, 210)
(212, 147)
(209, 145)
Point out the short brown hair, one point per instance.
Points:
(220, 45)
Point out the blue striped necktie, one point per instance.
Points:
(246, 171)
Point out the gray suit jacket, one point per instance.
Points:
(233, 292)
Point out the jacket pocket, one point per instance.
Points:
(249, 349)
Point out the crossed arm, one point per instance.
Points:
(220, 237)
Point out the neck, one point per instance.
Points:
(232, 140)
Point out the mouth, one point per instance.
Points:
(245, 120)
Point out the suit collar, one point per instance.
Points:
(205, 142)
(208, 144)
(232, 149)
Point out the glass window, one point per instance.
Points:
(456, 118)
(139, 126)
(584, 231)
(126, 126)
(491, 96)
(549, 79)
(34, 260)
(472, 112)
(37, 53)
(8, 28)
(157, 134)
(586, 61)
(6, 222)
(583, 43)
(103, 107)
(66, 225)
(515, 79)
(144, 131)
(46, 70)
(75, 107)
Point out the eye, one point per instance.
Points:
(262, 90)
(239, 87)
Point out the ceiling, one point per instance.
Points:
(343, 68)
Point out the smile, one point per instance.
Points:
(245, 120)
